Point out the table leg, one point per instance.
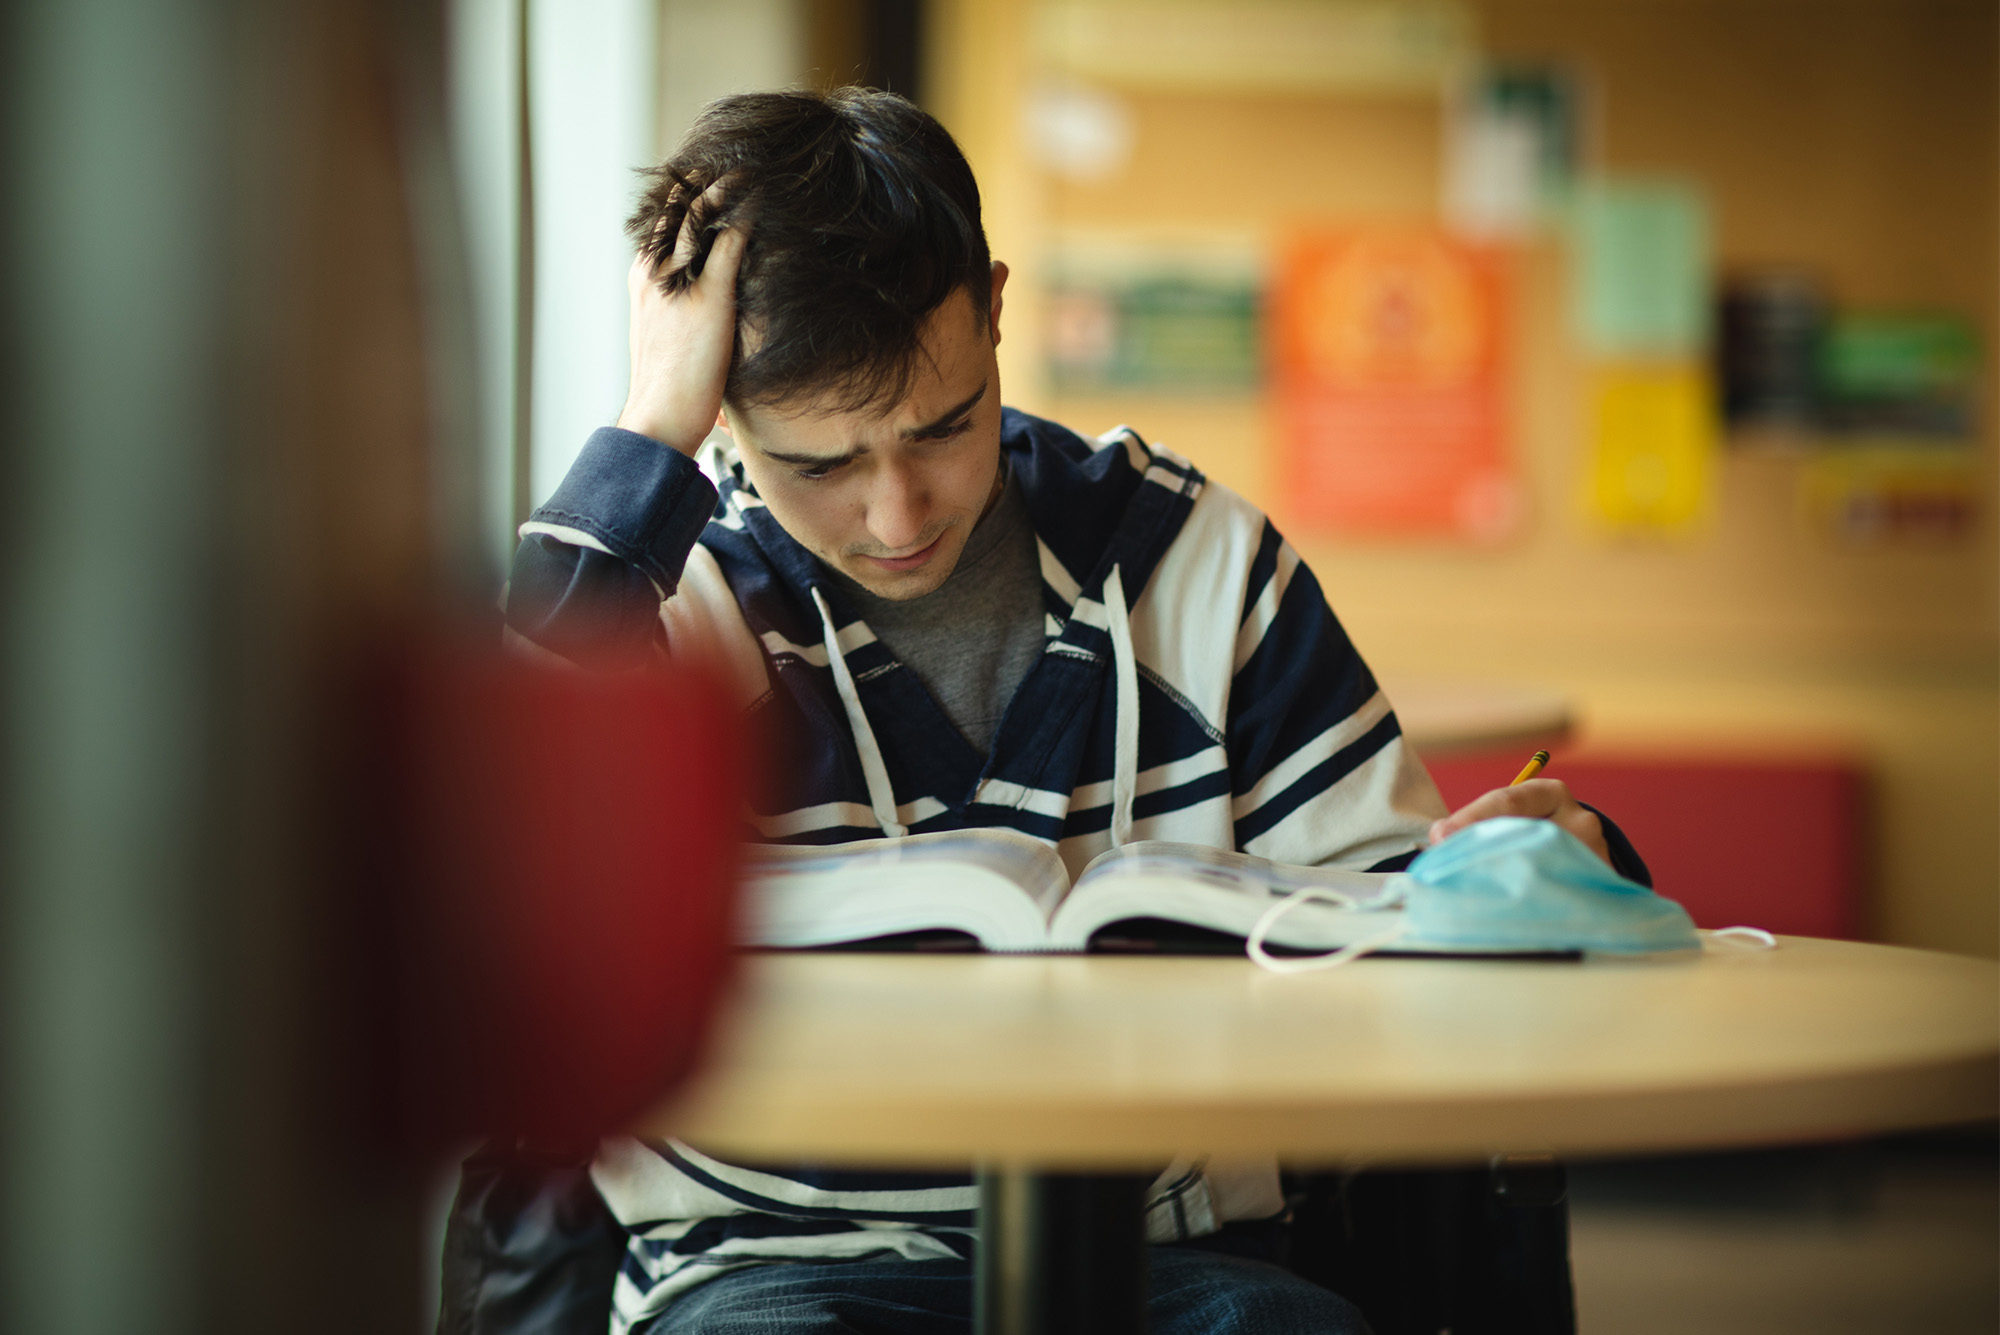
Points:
(1061, 1254)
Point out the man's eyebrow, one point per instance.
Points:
(930, 428)
(809, 460)
(945, 418)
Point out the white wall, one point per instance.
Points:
(708, 50)
(593, 76)
(614, 83)
(481, 88)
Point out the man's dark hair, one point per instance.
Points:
(864, 218)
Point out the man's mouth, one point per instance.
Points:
(909, 562)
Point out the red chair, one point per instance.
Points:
(1777, 843)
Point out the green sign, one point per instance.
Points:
(1176, 334)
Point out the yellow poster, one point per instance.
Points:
(1652, 447)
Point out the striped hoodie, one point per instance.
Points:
(1194, 686)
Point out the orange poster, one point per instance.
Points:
(1388, 348)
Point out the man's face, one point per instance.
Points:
(888, 498)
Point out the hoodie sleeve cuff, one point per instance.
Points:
(634, 498)
(1625, 859)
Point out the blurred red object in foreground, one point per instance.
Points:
(541, 867)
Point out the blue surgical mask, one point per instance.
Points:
(1529, 885)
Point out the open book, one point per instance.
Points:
(999, 890)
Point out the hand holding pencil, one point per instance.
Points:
(1533, 797)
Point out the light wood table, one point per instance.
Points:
(1044, 1064)
(1115, 1061)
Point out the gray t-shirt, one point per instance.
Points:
(973, 638)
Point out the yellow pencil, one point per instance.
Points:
(1532, 768)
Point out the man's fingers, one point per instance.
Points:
(724, 257)
(682, 340)
(1537, 798)
(1540, 799)
(684, 242)
(689, 239)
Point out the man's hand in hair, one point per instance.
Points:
(681, 343)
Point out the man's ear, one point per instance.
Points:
(722, 422)
(993, 309)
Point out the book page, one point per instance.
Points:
(998, 885)
(1231, 870)
(1220, 891)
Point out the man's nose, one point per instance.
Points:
(899, 509)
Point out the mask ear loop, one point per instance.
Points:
(1757, 936)
(1354, 950)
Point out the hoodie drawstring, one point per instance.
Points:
(1125, 753)
(1125, 670)
(881, 797)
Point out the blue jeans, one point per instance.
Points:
(1193, 1293)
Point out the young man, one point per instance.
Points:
(943, 613)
